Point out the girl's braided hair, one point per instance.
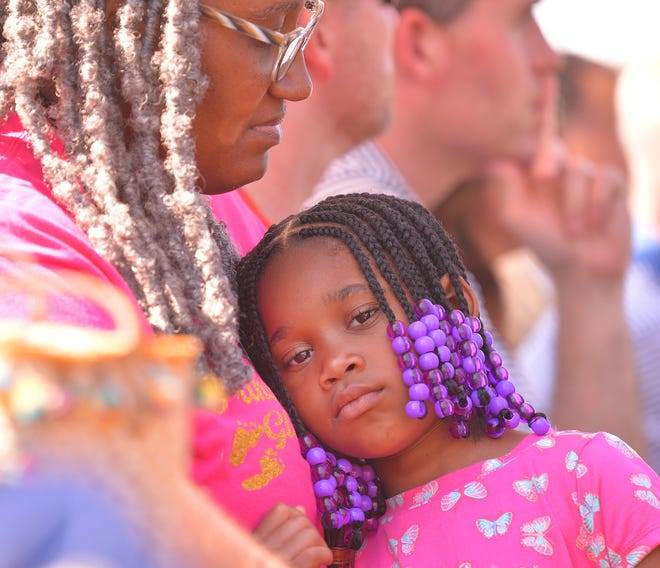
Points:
(126, 98)
(399, 239)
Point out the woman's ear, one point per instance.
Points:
(468, 292)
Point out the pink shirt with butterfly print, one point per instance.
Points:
(566, 499)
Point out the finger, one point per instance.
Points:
(296, 538)
(608, 193)
(576, 187)
(313, 557)
(549, 151)
(273, 520)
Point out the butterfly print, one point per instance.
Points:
(645, 494)
(530, 489)
(497, 527)
(473, 490)
(408, 541)
(533, 535)
(425, 494)
(572, 464)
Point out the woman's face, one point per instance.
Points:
(240, 118)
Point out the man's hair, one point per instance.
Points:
(399, 239)
(141, 212)
(443, 11)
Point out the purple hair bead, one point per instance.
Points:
(412, 376)
(459, 429)
(463, 408)
(505, 388)
(515, 399)
(431, 322)
(419, 392)
(407, 361)
(510, 418)
(368, 473)
(416, 409)
(316, 456)
(324, 488)
(401, 345)
(344, 465)
(474, 323)
(494, 428)
(444, 354)
(447, 371)
(468, 348)
(429, 361)
(438, 337)
(357, 514)
(456, 317)
(396, 329)
(416, 330)
(496, 405)
(351, 484)
(444, 408)
(539, 424)
(526, 410)
(424, 344)
(495, 359)
(462, 332)
(439, 392)
(424, 307)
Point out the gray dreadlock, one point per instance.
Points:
(126, 99)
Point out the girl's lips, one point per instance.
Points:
(357, 404)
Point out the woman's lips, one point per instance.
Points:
(272, 132)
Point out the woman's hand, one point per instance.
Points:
(288, 532)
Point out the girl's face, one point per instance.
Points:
(329, 341)
(239, 119)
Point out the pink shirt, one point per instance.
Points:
(566, 499)
(244, 221)
(246, 454)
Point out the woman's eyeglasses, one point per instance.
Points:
(289, 44)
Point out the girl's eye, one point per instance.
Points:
(364, 316)
(298, 358)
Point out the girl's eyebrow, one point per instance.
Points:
(331, 297)
(343, 293)
(278, 335)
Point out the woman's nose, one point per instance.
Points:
(296, 85)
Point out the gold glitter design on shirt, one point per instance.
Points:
(271, 467)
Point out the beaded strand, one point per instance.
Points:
(443, 362)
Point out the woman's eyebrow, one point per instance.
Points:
(273, 9)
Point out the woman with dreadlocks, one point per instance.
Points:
(117, 116)
(358, 313)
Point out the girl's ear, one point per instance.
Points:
(468, 292)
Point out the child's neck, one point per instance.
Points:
(437, 454)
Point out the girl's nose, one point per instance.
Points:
(339, 367)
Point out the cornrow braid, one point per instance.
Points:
(141, 213)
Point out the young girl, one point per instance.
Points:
(358, 313)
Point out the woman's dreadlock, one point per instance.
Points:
(143, 214)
